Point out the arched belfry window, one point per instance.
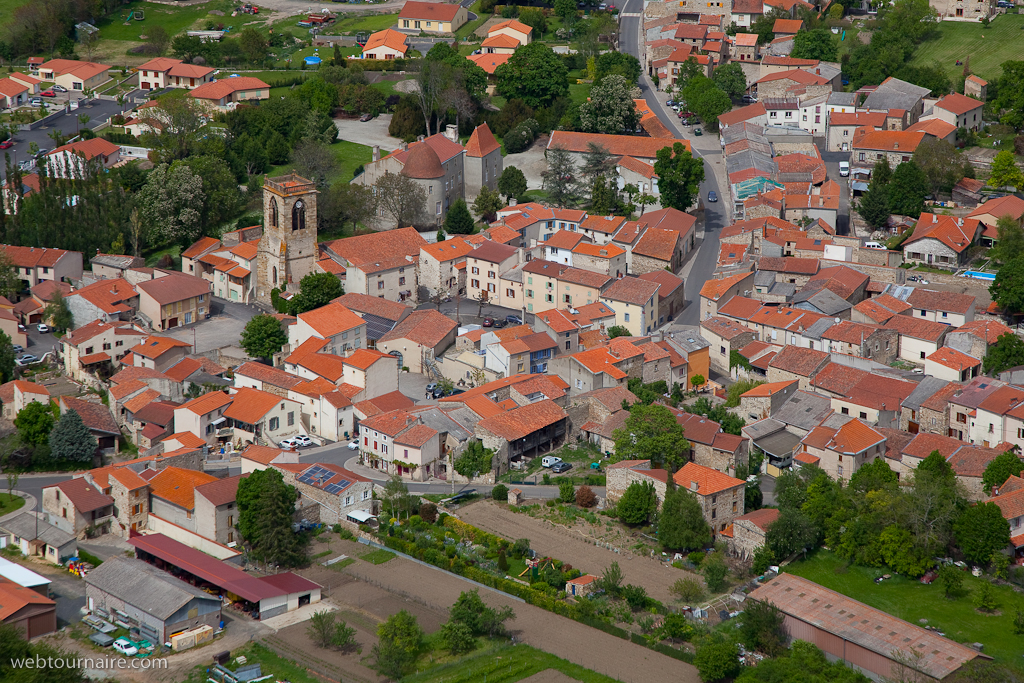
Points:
(299, 215)
(273, 213)
(274, 278)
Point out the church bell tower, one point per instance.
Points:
(287, 249)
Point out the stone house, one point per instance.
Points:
(959, 110)
(442, 270)
(606, 259)
(725, 336)
(749, 530)
(858, 339)
(625, 472)
(795, 363)
(942, 241)
(657, 249)
(380, 263)
(976, 337)
(596, 406)
(523, 432)
(976, 87)
(927, 408)
(215, 509)
(720, 496)
(671, 294)
(764, 400)
(716, 293)
(948, 308)
(919, 338)
(75, 506)
(893, 146)
(844, 448)
(902, 101)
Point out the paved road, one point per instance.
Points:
(832, 160)
(98, 112)
(706, 258)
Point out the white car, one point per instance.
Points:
(302, 441)
(125, 647)
(550, 460)
(287, 444)
(43, 328)
(353, 445)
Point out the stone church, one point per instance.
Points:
(287, 250)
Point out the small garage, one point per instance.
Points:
(25, 609)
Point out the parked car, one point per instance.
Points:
(513, 320)
(126, 647)
(875, 245)
(439, 392)
(488, 322)
(365, 117)
(36, 101)
(287, 444)
(6, 144)
(18, 348)
(27, 359)
(499, 323)
(561, 467)
(42, 153)
(48, 93)
(431, 387)
(698, 132)
(43, 328)
(59, 88)
(712, 196)
(353, 445)
(671, 102)
(749, 99)
(550, 460)
(303, 441)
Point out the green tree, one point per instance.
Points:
(620, 63)
(500, 493)
(765, 24)
(942, 163)
(1005, 172)
(254, 45)
(70, 439)
(512, 183)
(790, 533)
(566, 491)
(398, 643)
(762, 628)
(475, 460)
(1008, 288)
(1010, 236)
(487, 205)
(459, 221)
(730, 80)
(763, 558)
(7, 355)
(566, 9)
(907, 190)
(688, 590)
(618, 331)
(804, 662)
(157, 37)
(952, 580)
(717, 659)
(1010, 94)
(1000, 469)
(315, 291)
(706, 100)
(262, 337)
(714, 570)
(345, 204)
(560, 179)
(34, 423)
(680, 176)
(534, 74)
(981, 531)
(898, 550)
(535, 19)
(58, 313)
(171, 203)
(10, 281)
(481, 620)
(457, 638)
(57, 666)
(610, 108)
(984, 597)
(651, 433)
(265, 507)
(326, 630)
(681, 524)
(818, 44)
(638, 503)
(611, 580)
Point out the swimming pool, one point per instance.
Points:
(978, 275)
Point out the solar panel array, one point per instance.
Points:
(376, 326)
(337, 487)
(315, 475)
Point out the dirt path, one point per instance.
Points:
(562, 637)
(573, 547)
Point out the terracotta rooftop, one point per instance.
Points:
(715, 289)
(951, 358)
(379, 251)
(83, 495)
(631, 290)
(427, 327)
(799, 361)
(177, 485)
(709, 481)
(523, 421)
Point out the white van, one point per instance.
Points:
(873, 245)
(550, 461)
(844, 168)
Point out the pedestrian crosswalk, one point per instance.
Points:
(629, 14)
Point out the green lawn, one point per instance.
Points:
(174, 19)
(504, 664)
(912, 601)
(378, 556)
(10, 503)
(153, 258)
(349, 156)
(987, 46)
(271, 663)
(467, 30)
(579, 92)
(370, 23)
(7, 8)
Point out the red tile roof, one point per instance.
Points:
(917, 328)
(889, 140)
(799, 361)
(388, 38)
(428, 328)
(952, 358)
(207, 403)
(250, 405)
(523, 421)
(378, 251)
(987, 330)
(959, 104)
(216, 90)
(268, 374)
(715, 289)
(331, 319)
(107, 295)
(431, 11)
(724, 327)
(955, 233)
(933, 300)
(489, 62)
(709, 481)
(762, 518)
(617, 145)
(771, 388)
(171, 288)
(631, 290)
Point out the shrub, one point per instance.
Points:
(502, 561)
(566, 491)
(687, 590)
(428, 512)
(585, 497)
(696, 557)
(635, 596)
(500, 493)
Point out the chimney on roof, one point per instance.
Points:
(935, 218)
(960, 222)
(403, 146)
(694, 486)
(452, 133)
(376, 153)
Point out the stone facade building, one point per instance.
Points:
(624, 473)
(483, 161)
(720, 496)
(287, 249)
(748, 531)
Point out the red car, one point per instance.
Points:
(6, 144)
(48, 93)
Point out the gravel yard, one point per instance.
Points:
(572, 546)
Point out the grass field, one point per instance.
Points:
(173, 19)
(912, 601)
(987, 46)
(378, 556)
(9, 503)
(7, 8)
(468, 29)
(505, 664)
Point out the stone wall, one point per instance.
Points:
(646, 264)
(746, 538)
